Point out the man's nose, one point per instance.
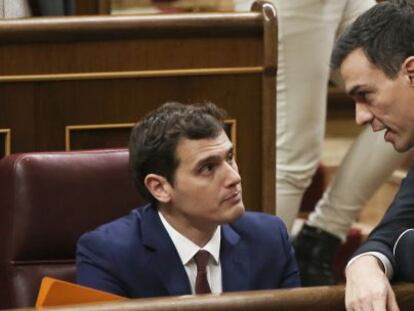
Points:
(233, 176)
(362, 114)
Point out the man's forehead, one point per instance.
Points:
(356, 70)
(198, 149)
(355, 60)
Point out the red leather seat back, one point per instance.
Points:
(47, 201)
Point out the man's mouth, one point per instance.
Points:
(387, 135)
(233, 196)
(376, 128)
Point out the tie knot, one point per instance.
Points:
(201, 260)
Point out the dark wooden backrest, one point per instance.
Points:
(81, 82)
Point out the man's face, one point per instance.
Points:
(207, 186)
(384, 103)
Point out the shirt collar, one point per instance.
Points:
(187, 249)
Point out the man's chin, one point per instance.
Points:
(401, 147)
(397, 141)
(237, 212)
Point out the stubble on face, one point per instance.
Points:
(207, 186)
(385, 103)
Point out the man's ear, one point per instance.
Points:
(408, 68)
(159, 187)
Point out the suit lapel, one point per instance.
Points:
(235, 261)
(163, 256)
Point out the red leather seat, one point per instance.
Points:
(47, 201)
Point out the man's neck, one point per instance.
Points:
(199, 235)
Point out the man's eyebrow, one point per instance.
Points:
(353, 90)
(212, 158)
(356, 89)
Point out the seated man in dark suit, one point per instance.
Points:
(194, 236)
(376, 59)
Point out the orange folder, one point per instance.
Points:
(54, 292)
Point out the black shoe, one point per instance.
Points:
(315, 253)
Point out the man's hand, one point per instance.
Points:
(367, 287)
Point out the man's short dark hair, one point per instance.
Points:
(385, 33)
(153, 140)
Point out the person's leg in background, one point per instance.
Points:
(306, 34)
(14, 9)
(339, 207)
(307, 31)
(317, 242)
(367, 164)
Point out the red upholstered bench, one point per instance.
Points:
(48, 199)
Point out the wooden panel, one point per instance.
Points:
(127, 55)
(18, 114)
(97, 136)
(93, 28)
(4, 142)
(102, 136)
(92, 7)
(230, 127)
(58, 72)
(268, 121)
(66, 103)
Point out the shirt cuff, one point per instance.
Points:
(386, 263)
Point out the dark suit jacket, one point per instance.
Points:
(134, 256)
(399, 217)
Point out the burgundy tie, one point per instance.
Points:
(201, 284)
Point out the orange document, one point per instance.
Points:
(55, 292)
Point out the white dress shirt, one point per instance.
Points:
(187, 249)
(388, 270)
